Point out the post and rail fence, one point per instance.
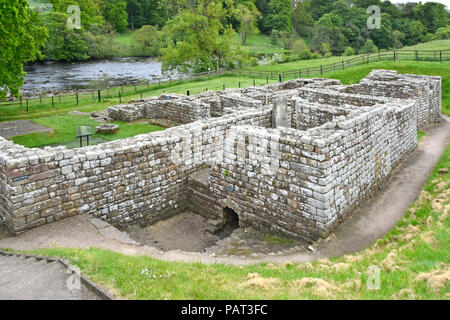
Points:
(95, 95)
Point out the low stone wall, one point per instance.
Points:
(136, 180)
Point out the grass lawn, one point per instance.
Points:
(413, 260)
(260, 44)
(64, 130)
(432, 45)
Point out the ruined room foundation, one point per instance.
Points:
(292, 158)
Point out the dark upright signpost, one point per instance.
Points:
(84, 131)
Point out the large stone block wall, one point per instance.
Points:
(301, 183)
(426, 90)
(136, 180)
(166, 107)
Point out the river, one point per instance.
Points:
(59, 77)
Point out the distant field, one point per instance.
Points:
(432, 45)
(260, 44)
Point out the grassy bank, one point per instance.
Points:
(413, 260)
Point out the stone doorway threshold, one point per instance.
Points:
(366, 224)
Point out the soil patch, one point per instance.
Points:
(20, 127)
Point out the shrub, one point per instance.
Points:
(275, 36)
(306, 54)
(442, 33)
(349, 51)
(316, 55)
(369, 47)
(298, 46)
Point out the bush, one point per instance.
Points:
(316, 55)
(369, 47)
(306, 54)
(349, 51)
(275, 36)
(442, 33)
(299, 46)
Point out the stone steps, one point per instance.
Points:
(25, 277)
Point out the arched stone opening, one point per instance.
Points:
(231, 218)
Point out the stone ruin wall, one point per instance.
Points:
(339, 146)
(135, 180)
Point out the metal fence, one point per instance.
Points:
(95, 95)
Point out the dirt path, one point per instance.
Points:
(362, 227)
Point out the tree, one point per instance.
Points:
(21, 37)
(329, 29)
(442, 33)
(64, 44)
(433, 15)
(383, 37)
(302, 18)
(89, 9)
(398, 39)
(280, 15)
(115, 12)
(369, 47)
(197, 40)
(134, 10)
(247, 15)
(320, 7)
(147, 39)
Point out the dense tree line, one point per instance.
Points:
(199, 35)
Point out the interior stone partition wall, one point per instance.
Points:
(342, 143)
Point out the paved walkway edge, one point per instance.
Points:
(93, 287)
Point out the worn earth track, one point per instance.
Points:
(366, 224)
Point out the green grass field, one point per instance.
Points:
(432, 45)
(260, 44)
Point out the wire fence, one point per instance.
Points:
(56, 101)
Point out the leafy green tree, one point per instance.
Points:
(349, 51)
(280, 15)
(329, 28)
(89, 9)
(197, 40)
(64, 44)
(383, 37)
(247, 14)
(147, 39)
(115, 12)
(442, 33)
(135, 17)
(433, 15)
(299, 46)
(369, 47)
(288, 39)
(398, 37)
(320, 7)
(302, 18)
(21, 37)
